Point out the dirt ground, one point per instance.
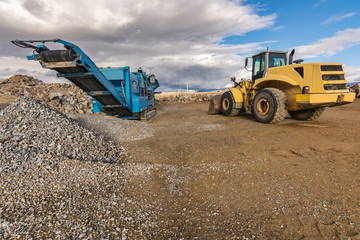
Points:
(215, 177)
(237, 178)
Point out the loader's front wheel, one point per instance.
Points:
(228, 105)
(269, 105)
(307, 114)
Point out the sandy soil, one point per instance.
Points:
(215, 177)
(235, 177)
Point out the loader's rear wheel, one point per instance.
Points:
(228, 105)
(269, 106)
(307, 114)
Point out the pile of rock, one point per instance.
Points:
(117, 129)
(356, 89)
(184, 97)
(66, 98)
(60, 180)
(30, 131)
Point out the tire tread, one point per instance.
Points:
(309, 114)
(234, 111)
(316, 114)
(281, 102)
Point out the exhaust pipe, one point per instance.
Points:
(291, 57)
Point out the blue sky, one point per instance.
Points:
(303, 23)
(197, 42)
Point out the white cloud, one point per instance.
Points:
(330, 46)
(274, 29)
(17, 65)
(178, 38)
(209, 67)
(352, 73)
(126, 21)
(318, 4)
(338, 17)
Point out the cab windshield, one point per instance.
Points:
(277, 59)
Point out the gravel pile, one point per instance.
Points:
(31, 131)
(60, 180)
(66, 98)
(117, 129)
(184, 97)
(356, 89)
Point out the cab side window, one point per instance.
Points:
(258, 68)
(277, 60)
(257, 65)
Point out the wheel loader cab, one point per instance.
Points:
(265, 60)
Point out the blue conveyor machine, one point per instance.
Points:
(115, 91)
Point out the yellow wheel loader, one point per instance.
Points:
(278, 88)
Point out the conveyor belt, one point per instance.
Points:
(94, 81)
(57, 56)
(72, 63)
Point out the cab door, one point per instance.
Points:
(258, 66)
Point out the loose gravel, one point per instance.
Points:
(193, 189)
(30, 131)
(56, 176)
(117, 129)
(60, 180)
(66, 98)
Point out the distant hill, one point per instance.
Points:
(353, 83)
(210, 90)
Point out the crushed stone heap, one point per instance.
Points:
(356, 89)
(66, 98)
(60, 180)
(185, 97)
(30, 131)
(16, 82)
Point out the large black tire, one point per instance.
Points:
(228, 105)
(307, 114)
(270, 106)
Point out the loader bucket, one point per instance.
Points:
(215, 105)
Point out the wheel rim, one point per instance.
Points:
(263, 106)
(226, 104)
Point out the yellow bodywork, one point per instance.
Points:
(237, 94)
(243, 95)
(290, 81)
(324, 100)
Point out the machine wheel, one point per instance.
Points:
(269, 106)
(228, 105)
(307, 114)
